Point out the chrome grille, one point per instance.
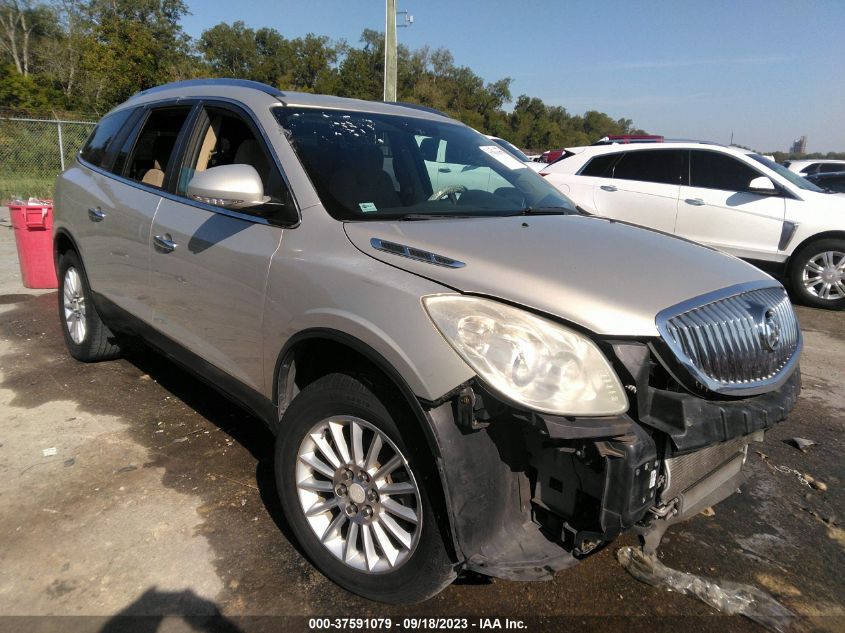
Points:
(745, 341)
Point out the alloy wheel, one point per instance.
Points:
(823, 275)
(358, 494)
(74, 305)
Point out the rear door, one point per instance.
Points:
(92, 199)
(717, 207)
(139, 167)
(642, 187)
(209, 263)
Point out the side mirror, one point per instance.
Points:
(232, 186)
(762, 185)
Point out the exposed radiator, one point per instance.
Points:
(683, 471)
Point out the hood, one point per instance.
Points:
(609, 277)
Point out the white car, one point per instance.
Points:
(815, 166)
(517, 153)
(725, 197)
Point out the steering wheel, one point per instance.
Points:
(451, 192)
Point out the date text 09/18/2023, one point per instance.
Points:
(414, 624)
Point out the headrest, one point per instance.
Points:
(428, 149)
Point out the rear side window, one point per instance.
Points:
(711, 170)
(95, 148)
(827, 168)
(148, 158)
(661, 166)
(600, 166)
(812, 168)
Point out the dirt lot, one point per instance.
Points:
(160, 501)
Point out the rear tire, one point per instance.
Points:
(88, 339)
(378, 536)
(817, 274)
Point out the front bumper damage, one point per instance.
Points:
(531, 494)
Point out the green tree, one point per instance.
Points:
(21, 91)
(133, 45)
(231, 50)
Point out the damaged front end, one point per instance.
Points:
(534, 492)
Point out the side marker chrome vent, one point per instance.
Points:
(415, 253)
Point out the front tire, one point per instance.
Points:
(354, 495)
(88, 339)
(817, 274)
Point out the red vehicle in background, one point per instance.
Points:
(551, 155)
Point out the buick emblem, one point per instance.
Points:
(769, 330)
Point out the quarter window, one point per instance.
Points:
(661, 166)
(711, 170)
(95, 148)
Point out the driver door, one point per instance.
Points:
(209, 264)
(718, 209)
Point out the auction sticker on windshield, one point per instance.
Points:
(503, 157)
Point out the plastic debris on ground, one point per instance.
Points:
(800, 443)
(730, 598)
(49, 452)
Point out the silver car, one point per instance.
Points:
(461, 371)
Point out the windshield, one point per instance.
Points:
(368, 166)
(791, 176)
(513, 149)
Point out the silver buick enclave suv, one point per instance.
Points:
(461, 371)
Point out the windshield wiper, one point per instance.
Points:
(544, 211)
(432, 216)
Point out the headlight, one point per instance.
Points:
(530, 360)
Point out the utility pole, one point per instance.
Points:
(390, 52)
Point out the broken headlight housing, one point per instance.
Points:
(530, 360)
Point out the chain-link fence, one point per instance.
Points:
(35, 148)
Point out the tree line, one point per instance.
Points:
(89, 55)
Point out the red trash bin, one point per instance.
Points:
(33, 224)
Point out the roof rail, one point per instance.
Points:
(694, 140)
(629, 138)
(417, 106)
(214, 81)
(609, 140)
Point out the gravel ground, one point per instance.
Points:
(160, 501)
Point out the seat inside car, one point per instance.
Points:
(162, 148)
(250, 153)
(362, 179)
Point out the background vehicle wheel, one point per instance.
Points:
(817, 274)
(354, 496)
(88, 338)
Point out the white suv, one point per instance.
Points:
(725, 197)
(806, 167)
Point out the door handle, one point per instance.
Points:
(696, 202)
(609, 188)
(445, 170)
(164, 243)
(96, 215)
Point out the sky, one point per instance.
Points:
(766, 71)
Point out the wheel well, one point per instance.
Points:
(311, 355)
(837, 235)
(61, 245)
(312, 358)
